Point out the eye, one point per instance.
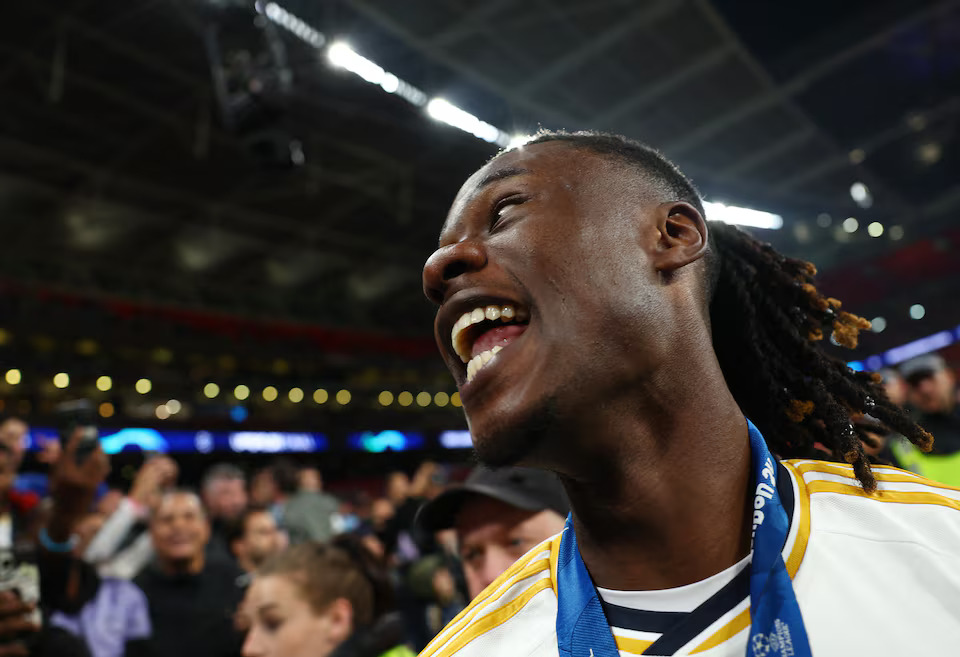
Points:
(271, 625)
(502, 207)
(517, 542)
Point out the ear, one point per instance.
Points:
(340, 615)
(682, 236)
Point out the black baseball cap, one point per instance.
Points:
(921, 366)
(523, 488)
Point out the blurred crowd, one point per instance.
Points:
(267, 563)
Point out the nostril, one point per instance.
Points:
(454, 269)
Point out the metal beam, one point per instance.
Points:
(801, 81)
(596, 44)
(466, 27)
(649, 94)
(764, 155)
(387, 22)
(468, 24)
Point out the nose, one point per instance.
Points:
(449, 262)
(251, 644)
(494, 565)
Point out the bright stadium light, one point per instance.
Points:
(446, 112)
(341, 55)
(732, 214)
(288, 21)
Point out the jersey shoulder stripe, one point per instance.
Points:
(630, 645)
(893, 485)
(500, 601)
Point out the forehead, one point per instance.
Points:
(260, 520)
(483, 518)
(556, 163)
(179, 503)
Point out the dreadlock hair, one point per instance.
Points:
(766, 318)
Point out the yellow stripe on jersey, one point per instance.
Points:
(632, 646)
(494, 618)
(882, 473)
(554, 559)
(894, 496)
(803, 520)
(728, 631)
(468, 615)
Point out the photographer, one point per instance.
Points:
(25, 538)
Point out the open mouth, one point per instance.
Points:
(481, 333)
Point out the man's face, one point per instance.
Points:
(261, 539)
(561, 235)
(13, 435)
(179, 529)
(225, 498)
(492, 535)
(933, 392)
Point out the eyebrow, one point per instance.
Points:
(501, 174)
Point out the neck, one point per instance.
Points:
(663, 499)
(190, 566)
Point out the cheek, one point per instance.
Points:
(301, 637)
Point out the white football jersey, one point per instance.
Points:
(874, 574)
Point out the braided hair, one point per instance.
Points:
(766, 318)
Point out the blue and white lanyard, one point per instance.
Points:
(776, 628)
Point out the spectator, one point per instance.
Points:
(263, 489)
(122, 546)
(401, 536)
(110, 614)
(894, 385)
(13, 436)
(306, 515)
(192, 598)
(73, 484)
(310, 479)
(398, 488)
(931, 391)
(498, 515)
(317, 600)
(224, 491)
(254, 538)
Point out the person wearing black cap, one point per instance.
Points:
(932, 392)
(498, 515)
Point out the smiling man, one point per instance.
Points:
(192, 597)
(599, 327)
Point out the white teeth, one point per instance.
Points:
(504, 313)
(479, 361)
(496, 349)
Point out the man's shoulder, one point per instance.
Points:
(515, 615)
(905, 506)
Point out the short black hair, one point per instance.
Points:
(766, 318)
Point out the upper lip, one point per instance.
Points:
(460, 303)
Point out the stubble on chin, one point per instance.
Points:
(524, 443)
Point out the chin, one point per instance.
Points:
(514, 439)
